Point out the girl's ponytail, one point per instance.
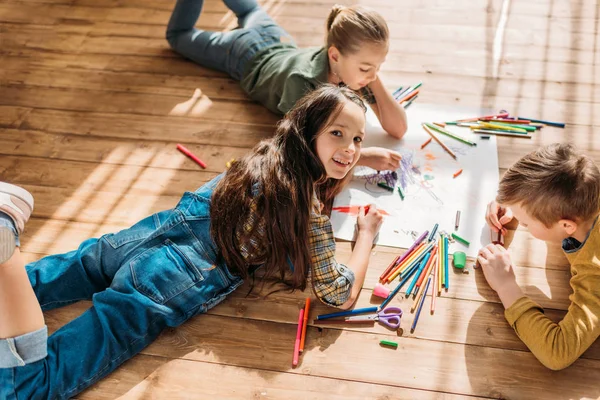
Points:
(349, 27)
(335, 11)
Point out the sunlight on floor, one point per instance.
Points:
(197, 105)
(119, 192)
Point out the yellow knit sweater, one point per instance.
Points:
(558, 345)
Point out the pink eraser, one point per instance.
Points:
(381, 291)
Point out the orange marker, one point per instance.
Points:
(426, 143)
(306, 308)
(457, 173)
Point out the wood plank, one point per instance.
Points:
(455, 320)
(92, 150)
(151, 377)
(456, 368)
(147, 40)
(184, 129)
(52, 14)
(20, 70)
(433, 365)
(197, 104)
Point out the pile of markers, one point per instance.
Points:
(405, 96)
(423, 265)
(502, 125)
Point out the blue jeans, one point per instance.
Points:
(156, 274)
(224, 51)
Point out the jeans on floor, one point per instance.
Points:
(224, 51)
(156, 274)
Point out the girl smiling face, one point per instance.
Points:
(338, 145)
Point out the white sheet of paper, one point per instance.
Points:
(432, 194)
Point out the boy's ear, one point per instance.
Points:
(568, 226)
(333, 53)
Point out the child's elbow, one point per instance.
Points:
(349, 303)
(397, 131)
(557, 365)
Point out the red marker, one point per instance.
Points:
(191, 155)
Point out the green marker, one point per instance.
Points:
(400, 192)
(389, 343)
(386, 187)
(460, 240)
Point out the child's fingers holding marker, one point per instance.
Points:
(491, 216)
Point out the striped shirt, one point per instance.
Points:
(331, 281)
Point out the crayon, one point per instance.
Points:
(191, 155)
(388, 343)
(460, 240)
(457, 173)
(457, 220)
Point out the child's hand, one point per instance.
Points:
(498, 271)
(497, 216)
(370, 222)
(497, 266)
(380, 159)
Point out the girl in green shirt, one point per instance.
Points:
(276, 73)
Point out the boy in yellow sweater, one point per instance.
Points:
(555, 193)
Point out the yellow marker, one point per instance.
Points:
(506, 128)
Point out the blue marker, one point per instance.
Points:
(350, 312)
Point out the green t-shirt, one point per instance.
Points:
(280, 75)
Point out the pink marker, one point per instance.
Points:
(298, 336)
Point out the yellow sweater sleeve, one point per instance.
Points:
(558, 345)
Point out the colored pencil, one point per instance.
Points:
(409, 96)
(399, 259)
(414, 324)
(434, 136)
(420, 292)
(418, 274)
(406, 264)
(457, 173)
(427, 267)
(417, 260)
(396, 290)
(499, 133)
(446, 262)
(440, 273)
(549, 123)
(460, 240)
(435, 279)
(501, 126)
(433, 231)
(401, 192)
(407, 104)
(457, 220)
(191, 155)
(490, 129)
(400, 265)
(306, 310)
(389, 268)
(426, 143)
(344, 313)
(451, 134)
(501, 123)
(395, 92)
(483, 117)
(298, 335)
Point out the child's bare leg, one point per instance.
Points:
(20, 311)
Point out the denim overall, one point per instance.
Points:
(156, 274)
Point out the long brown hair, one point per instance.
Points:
(280, 175)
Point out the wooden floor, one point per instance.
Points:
(93, 103)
